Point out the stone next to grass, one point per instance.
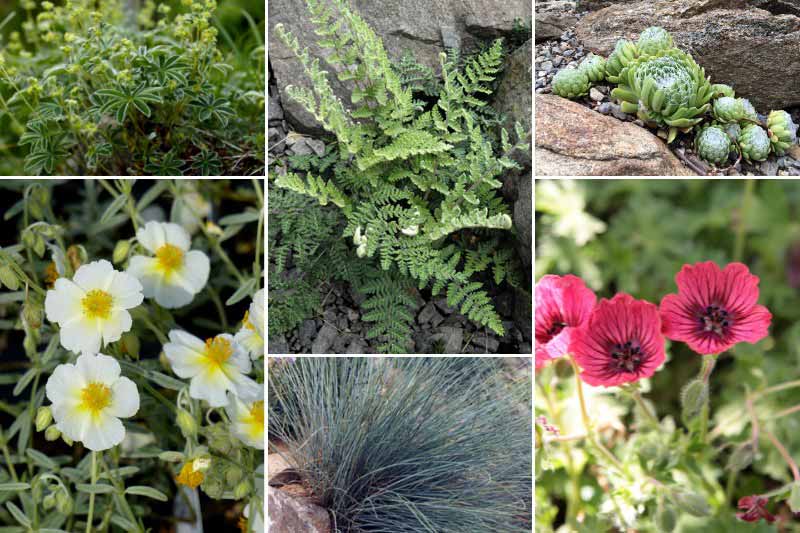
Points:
(290, 514)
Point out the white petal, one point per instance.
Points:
(118, 323)
(194, 274)
(95, 275)
(239, 358)
(64, 302)
(177, 236)
(248, 389)
(81, 336)
(144, 269)
(98, 368)
(126, 291)
(185, 362)
(64, 384)
(211, 387)
(186, 339)
(151, 236)
(171, 296)
(71, 421)
(105, 432)
(124, 398)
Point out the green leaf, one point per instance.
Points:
(14, 487)
(240, 218)
(247, 288)
(98, 488)
(113, 208)
(41, 459)
(18, 515)
(148, 492)
(124, 523)
(152, 194)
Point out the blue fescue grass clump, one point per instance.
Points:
(410, 445)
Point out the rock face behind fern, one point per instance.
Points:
(751, 49)
(423, 27)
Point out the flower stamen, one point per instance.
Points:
(170, 258)
(626, 357)
(218, 350)
(715, 319)
(97, 304)
(95, 397)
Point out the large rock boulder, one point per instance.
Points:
(751, 49)
(573, 140)
(422, 27)
(290, 514)
(553, 17)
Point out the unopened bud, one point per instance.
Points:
(77, 256)
(693, 503)
(33, 312)
(121, 251)
(186, 423)
(63, 503)
(49, 501)
(43, 418)
(38, 200)
(233, 475)
(171, 457)
(666, 518)
(694, 397)
(129, 344)
(67, 440)
(52, 434)
(242, 490)
(741, 457)
(9, 277)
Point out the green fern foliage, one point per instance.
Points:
(414, 167)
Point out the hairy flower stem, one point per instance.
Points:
(785, 454)
(588, 425)
(709, 362)
(91, 495)
(738, 249)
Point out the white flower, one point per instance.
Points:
(89, 398)
(256, 523)
(92, 308)
(251, 336)
(215, 366)
(190, 208)
(175, 274)
(247, 419)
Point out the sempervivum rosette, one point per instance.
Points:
(594, 67)
(624, 52)
(571, 83)
(669, 90)
(728, 109)
(782, 131)
(713, 145)
(653, 40)
(754, 143)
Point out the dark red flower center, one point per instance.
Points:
(626, 357)
(715, 319)
(555, 328)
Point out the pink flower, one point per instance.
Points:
(755, 508)
(621, 342)
(714, 309)
(562, 304)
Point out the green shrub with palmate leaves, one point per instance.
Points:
(408, 176)
(89, 88)
(407, 444)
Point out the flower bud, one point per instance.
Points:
(233, 475)
(43, 418)
(665, 518)
(9, 277)
(186, 423)
(38, 200)
(694, 397)
(67, 440)
(49, 501)
(63, 502)
(691, 502)
(242, 490)
(129, 344)
(77, 256)
(121, 251)
(52, 433)
(29, 343)
(741, 457)
(33, 312)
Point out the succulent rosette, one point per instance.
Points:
(782, 131)
(653, 40)
(754, 143)
(720, 89)
(713, 145)
(728, 109)
(594, 67)
(624, 52)
(570, 83)
(669, 90)
(750, 114)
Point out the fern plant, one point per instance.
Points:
(406, 445)
(87, 89)
(415, 180)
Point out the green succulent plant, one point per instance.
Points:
(727, 109)
(720, 89)
(571, 83)
(654, 40)
(624, 52)
(713, 145)
(594, 67)
(749, 111)
(754, 143)
(782, 131)
(668, 89)
(733, 129)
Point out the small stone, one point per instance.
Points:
(429, 315)
(485, 343)
(618, 113)
(290, 514)
(274, 110)
(557, 60)
(352, 314)
(769, 167)
(306, 331)
(596, 95)
(569, 53)
(356, 346)
(324, 339)
(604, 108)
(453, 339)
(277, 345)
(547, 66)
(441, 303)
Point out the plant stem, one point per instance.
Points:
(777, 388)
(785, 454)
(747, 196)
(91, 495)
(639, 400)
(7, 456)
(709, 362)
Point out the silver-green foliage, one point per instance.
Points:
(407, 445)
(407, 178)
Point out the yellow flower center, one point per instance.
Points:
(170, 258)
(218, 350)
(246, 320)
(257, 413)
(189, 476)
(97, 304)
(95, 397)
